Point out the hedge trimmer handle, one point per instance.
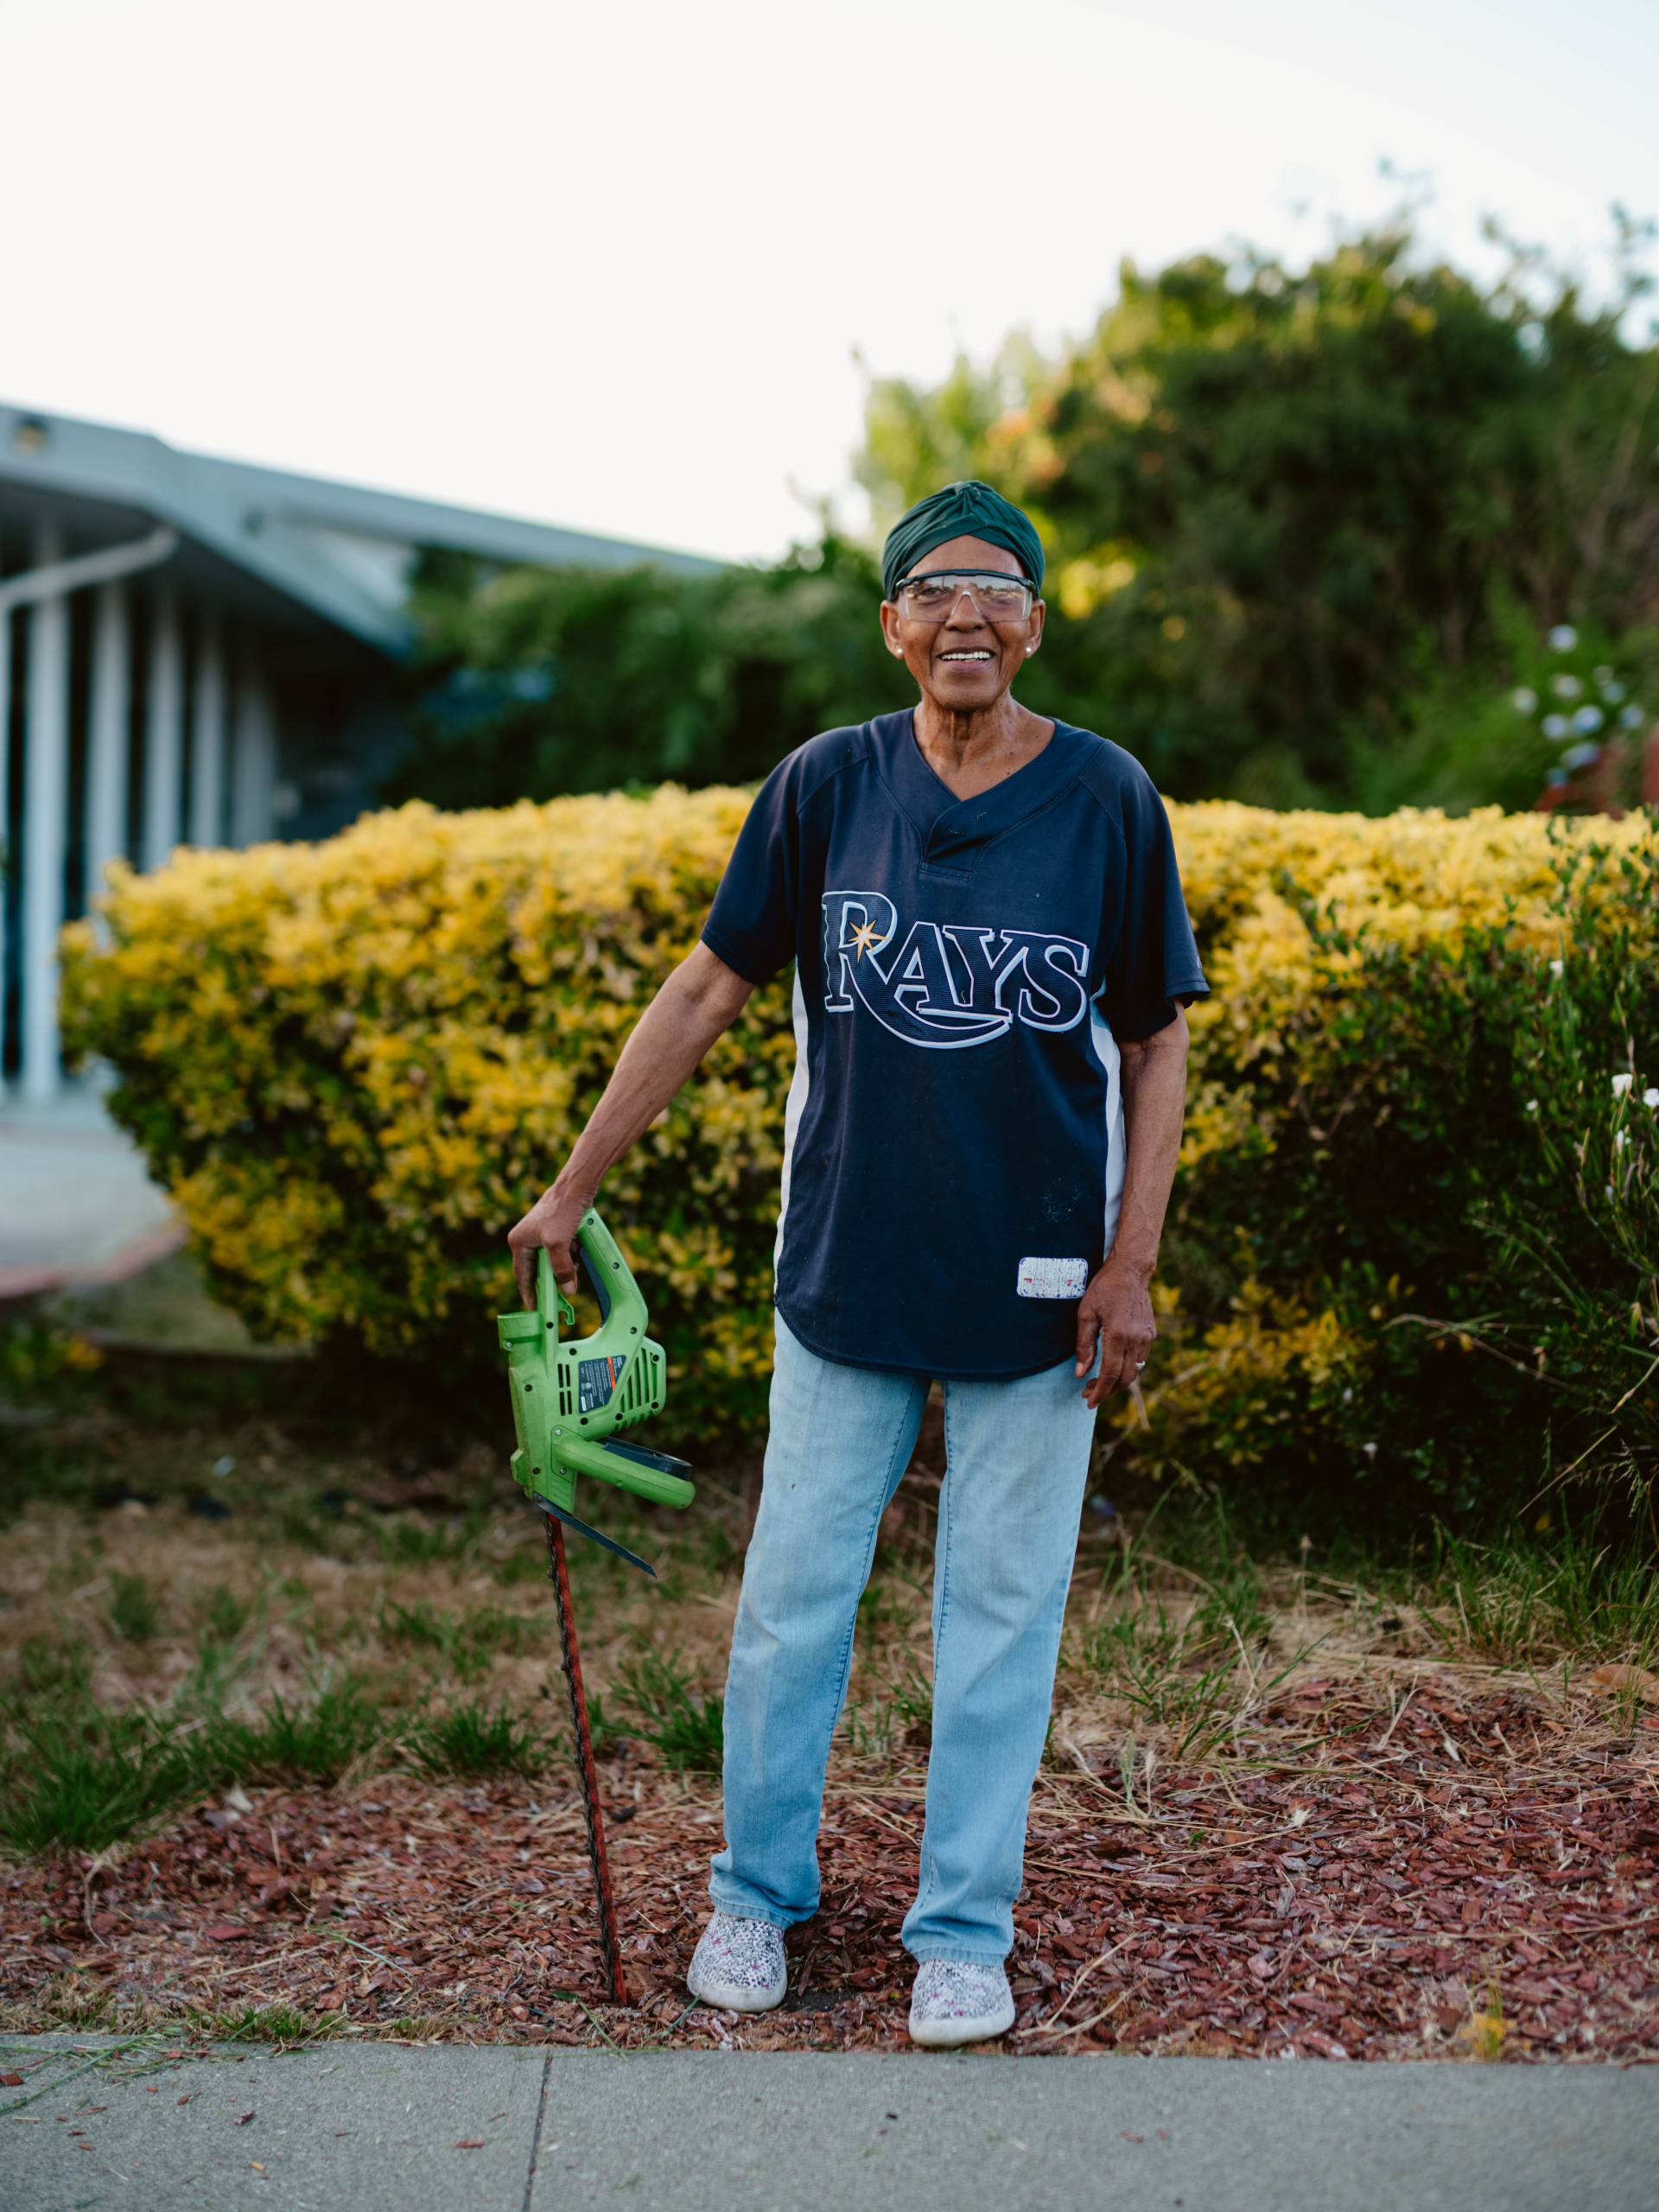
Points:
(653, 1475)
(568, 1398)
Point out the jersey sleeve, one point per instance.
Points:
(751, 923)
(1155, 964)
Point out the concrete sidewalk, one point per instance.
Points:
(346, 2125)
(77, 1205)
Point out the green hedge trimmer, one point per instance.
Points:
(568, 1401)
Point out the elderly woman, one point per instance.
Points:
(991, 957)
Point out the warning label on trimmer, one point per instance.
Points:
(595, 1380)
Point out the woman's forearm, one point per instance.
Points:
(1115, 1316)
(703, 997)
(696, 1004)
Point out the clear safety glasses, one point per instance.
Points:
(931, 598)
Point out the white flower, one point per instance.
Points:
(1621, 1138)
(1369, 1450)
(1650, 1098)
(1622, 1082)
(1556, 967)
(1589, 718)
(1612, 693)
(1630, 717)
(1524, 699)
(1581, 756)
(1532, 1105)
(1555, 726)
(1563, 638)
(1565, 687)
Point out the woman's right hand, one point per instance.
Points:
(550, 1225)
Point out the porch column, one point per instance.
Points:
(8, 832)
(207, 752)
(106, 749)
(164, 735)
(254, 755)
(46, 827)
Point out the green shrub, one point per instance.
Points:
(1444, 1246)
(39, 1357)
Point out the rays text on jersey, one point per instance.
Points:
(946, 985)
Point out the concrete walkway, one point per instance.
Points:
(372, 2127)
(77, 1205)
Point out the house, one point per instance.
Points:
(193, 650)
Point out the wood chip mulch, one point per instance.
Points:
(1454, 1873)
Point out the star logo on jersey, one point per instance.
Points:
(948, 984)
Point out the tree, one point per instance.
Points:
(532, 682)
(1267, 494)
(1307, 528)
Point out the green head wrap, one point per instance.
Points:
(966, 510)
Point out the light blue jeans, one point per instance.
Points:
(1016, 1462)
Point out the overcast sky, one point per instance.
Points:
(611, 266)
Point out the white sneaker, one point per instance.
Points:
(953, 2003)
(737, 1965)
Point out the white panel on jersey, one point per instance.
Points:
(794, 1107)
(1117, 1156)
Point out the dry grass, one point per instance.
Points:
(428, 1583)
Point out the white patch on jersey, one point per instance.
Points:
(1052, 1278)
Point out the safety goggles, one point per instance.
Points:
(999, 598)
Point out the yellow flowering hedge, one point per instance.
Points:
(1414, 880)
(356, 1064)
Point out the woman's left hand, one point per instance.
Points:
(1116, 1313)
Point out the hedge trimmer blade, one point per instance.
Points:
(557, 1513)
(567, 1401)
(609, 1942)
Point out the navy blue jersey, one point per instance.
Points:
(954, 1139)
